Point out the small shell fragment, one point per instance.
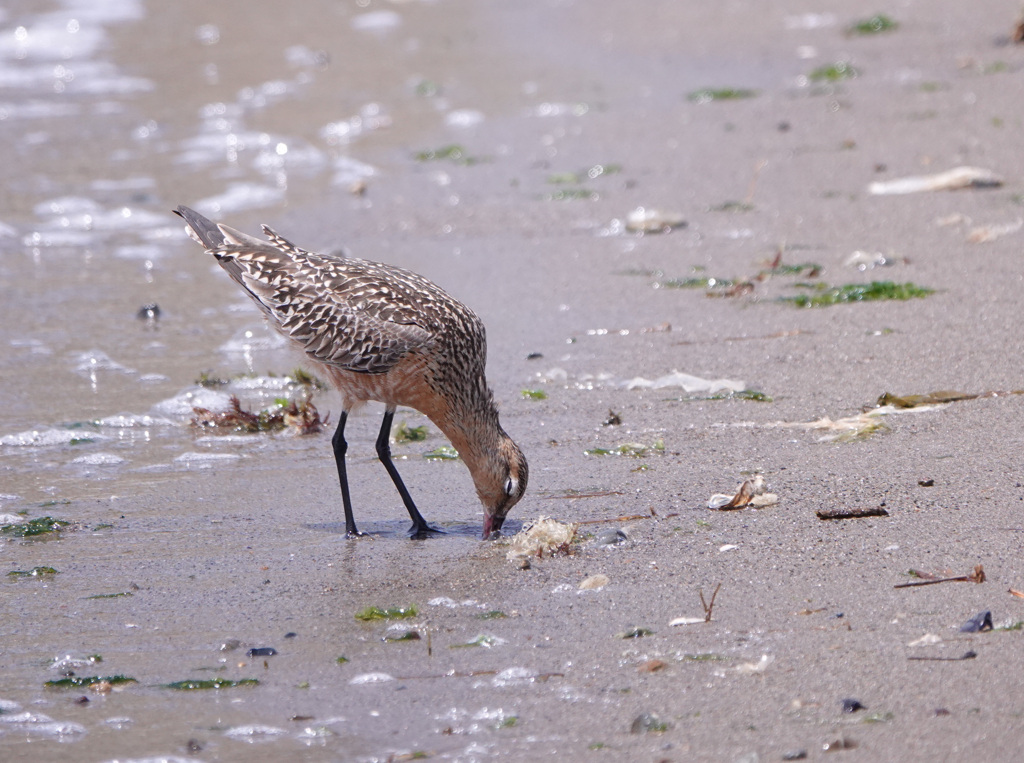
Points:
(752, 668)
(750, 493)
(687, 621)
(985, 234)
(594, 582)
(646, 220)
(959, 177)
(867, 260)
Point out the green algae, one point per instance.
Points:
(836, 72)
(860, 292)
(194, 684)
(709, 94)
(390, 613)
(442, 453)
(406, 433)
(874, 25)
(35, 572)
(79, 682)
(35, 527)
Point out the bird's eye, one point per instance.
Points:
(510, 486)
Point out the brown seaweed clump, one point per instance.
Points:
(300, 417)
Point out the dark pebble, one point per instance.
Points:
(262, 651)
(535, 356)
(83, 700)
(149, 312)
(194, 746)
(980, 622)
(291, 634)
(851, 705)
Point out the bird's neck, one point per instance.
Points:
(476, 435)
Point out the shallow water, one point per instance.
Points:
(113, 113)
(110, 116)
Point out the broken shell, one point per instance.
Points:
(959, 177)
(645, 220)
(594, 582)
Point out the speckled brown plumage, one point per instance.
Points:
(380, 333)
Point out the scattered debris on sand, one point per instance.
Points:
(545, 536)
(753, 493)
(300, 417)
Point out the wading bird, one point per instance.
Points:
(380, 333)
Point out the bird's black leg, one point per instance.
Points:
(340, 446)
(419, 528)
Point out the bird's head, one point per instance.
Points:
(503, 484)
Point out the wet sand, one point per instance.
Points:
(240, 540)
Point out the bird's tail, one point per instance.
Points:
(203, 231)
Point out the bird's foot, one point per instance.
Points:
(354, 533)
(419, 532)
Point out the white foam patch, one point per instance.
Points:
(96, 360)
(135, 420)
(514, 677)
(99, 459)
(254, 732)
(239, 197)
(376, 21)
(249, 340)
(371, 678)
(206, 459)
(348, 171)
(49, 436)
(195, 397)
(37, 724)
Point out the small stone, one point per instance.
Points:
(83, 700)
(980, 622)
(230, 645)
(794, 755)
(524, 564)
(149, 313)
(646, 723)
(262, 651)
(851, 705)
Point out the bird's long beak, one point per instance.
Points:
(492, 525)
